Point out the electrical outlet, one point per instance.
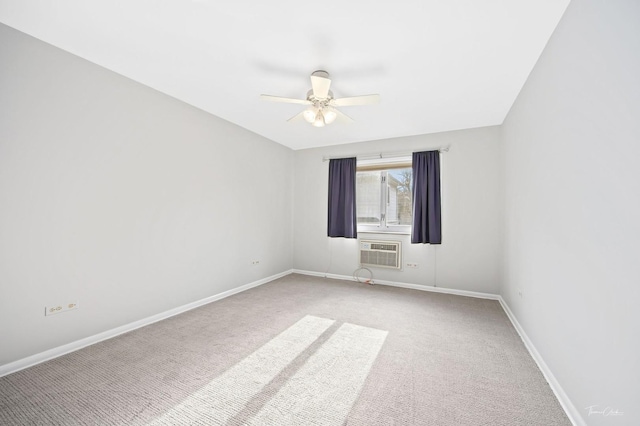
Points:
(57, 309)
(412, 265)
(255, 262)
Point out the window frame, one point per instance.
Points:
(384, 164)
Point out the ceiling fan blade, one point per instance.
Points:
(356, 100)
(286, 100)
(297, 117)
(320, 86)
(341, 116)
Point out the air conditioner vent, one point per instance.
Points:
(389, 247)
(381, 254)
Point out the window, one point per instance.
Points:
(383, 196)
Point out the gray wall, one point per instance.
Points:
(572, 146)
(122, 198)
(472, 188)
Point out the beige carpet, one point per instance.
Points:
(299, 350)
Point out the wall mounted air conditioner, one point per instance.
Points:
(381, 254)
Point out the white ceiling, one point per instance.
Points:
(438, 64)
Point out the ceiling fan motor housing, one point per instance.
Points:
(311, 97)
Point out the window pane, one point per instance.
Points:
(399, 197)
(368, 197)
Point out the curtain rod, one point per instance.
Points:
(386, 154)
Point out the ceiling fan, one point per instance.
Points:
(321, 103)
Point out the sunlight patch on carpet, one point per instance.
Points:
(328, 384)
(227, 395)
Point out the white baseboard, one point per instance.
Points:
(573, 414)
(563, 398)
(405, 285)
(32, 360)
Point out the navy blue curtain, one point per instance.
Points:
(342, 198)
(426, 227)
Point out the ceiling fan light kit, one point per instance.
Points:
(318, 117)
(321, 103)
(330, 115)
